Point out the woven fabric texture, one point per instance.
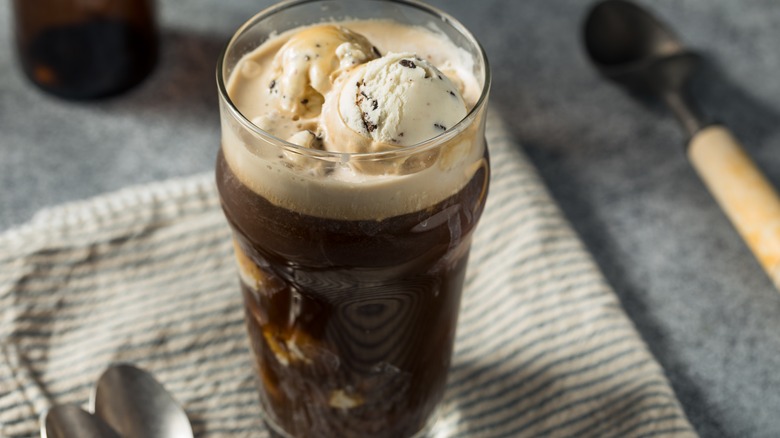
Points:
(146, 275)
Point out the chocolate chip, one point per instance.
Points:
(359, 99)
(407, 63)
(370, 127)
(440, 126)
(400, 134)
(306, 58)
(317, 45)
(272, 84)
(316, 142)
(304, 101)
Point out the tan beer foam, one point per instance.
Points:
(348, 189)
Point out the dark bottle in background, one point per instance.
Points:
(86, 49)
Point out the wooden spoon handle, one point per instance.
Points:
(743, 192)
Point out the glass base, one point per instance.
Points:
(434, 428)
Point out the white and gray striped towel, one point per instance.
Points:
(146, 276)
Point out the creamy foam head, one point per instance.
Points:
(342, 184)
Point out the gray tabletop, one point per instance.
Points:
(615, 166)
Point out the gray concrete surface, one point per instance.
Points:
(614, 165)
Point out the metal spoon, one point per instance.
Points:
(69, 421)
(132, 402)
(631, 47)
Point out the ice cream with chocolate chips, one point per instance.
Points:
(398, 100)
(355, 87)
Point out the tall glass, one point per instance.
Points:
(79, 49)
(351, 286)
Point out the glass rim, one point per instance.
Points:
(411, 149)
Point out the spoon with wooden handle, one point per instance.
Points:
(631, 47)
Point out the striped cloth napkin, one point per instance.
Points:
(146, 276)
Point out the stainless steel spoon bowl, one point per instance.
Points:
(68, 421)
(631, 47)
(132, 402)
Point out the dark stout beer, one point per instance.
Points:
(351, 322)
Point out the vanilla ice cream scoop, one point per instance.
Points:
(400, 99)
(304, 67)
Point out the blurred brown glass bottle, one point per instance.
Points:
(85, 49)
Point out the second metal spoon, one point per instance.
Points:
(132, 402)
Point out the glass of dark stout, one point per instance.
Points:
(351, 264)
(86, 49)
